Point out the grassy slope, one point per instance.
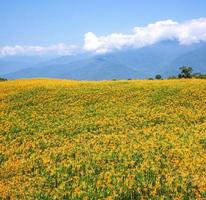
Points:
(117, 139)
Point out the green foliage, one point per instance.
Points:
(158, 77)
(186, 72)
(3, 158)
(3, 79)
(171, 77)
(199, 75)
(203, 143)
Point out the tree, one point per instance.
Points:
(3, 79)
(186, 72)
(158, 77)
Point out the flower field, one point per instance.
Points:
(103, 140)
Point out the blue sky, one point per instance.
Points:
(46, 22)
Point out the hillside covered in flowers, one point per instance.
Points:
(103, 140)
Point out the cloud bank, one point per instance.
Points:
(186, 33)
(57, 49)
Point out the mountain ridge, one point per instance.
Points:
(162, 58)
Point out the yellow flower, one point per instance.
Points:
(77, 139)
(77, 191)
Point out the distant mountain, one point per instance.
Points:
(11, 64)
(65, 59)
(151, 60)
(195, 58)
(163, 58)
(103, 69)
(88, 69)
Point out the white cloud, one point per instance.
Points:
(57, 49)
(186, 33)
